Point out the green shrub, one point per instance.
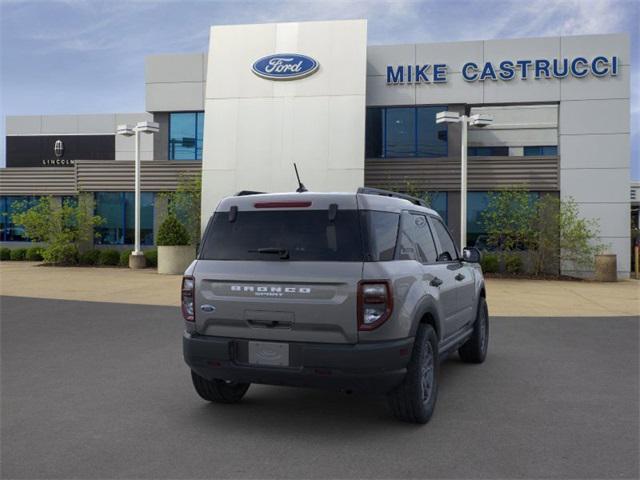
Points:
(124, 258)
(61, 254)
(18, 254)
(172, 232)
(90, 257)
(34, 254)
(5, 253)
(513, 263)
(152, 257)
(490, 263)
(109, 257)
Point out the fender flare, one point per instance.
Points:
(427, 307)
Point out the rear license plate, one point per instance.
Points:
(268, 353)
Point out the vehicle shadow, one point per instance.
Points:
(293, 411)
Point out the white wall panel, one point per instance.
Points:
(594, 117)
(455, 90)
(593, 45)
(453, 54)
(174, 97)
(379, 56)
(256, 128)
(596, 185)
(595, 151)
(591, 87)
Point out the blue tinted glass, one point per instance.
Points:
(530, 151)
(438, 202)
(551, 150)
(477, 202)
(146, 218)
(199, 134)
(400, 130)
(117, 209)
(109, 206)
(185, 135)
(432, 137)
(12, 232)
(374, 132)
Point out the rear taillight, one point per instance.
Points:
(188, 287)
(375, 303)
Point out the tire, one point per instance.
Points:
(414, 400)
(219, 391)
(475, 349)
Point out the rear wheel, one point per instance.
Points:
(415, 398)
(475, 349)
(219, 391)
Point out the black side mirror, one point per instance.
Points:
(471, 255)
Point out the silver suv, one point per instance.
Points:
(357, 291)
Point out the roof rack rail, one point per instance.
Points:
(244, 193)
(389, 193)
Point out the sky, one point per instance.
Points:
(87, 56)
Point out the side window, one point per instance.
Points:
(448, 248)
(415, 240)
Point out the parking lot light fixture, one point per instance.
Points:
(136, 260)
(477, 120)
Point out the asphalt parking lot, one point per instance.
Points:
(99, 390)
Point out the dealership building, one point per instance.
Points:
(349, 114)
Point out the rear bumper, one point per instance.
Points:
(365, 367)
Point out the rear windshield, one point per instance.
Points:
(279, 235)
(297, 235)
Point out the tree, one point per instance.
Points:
(578, 236)
(508, 219)
(62, 227)
(184, 203)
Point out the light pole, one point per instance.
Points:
(136, 259)
(478, 120)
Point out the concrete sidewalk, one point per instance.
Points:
(506, 297)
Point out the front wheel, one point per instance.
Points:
(219, 391)
(415, 398)
(475, 349)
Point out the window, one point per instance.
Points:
(488, 151)
(478, 202)
(185, 135)
(303, 235)
(381, 234)
(416, 241)
(448, 251)
(10, 232)
(544, 151)
(405, 132)
(438, 202)
(117, 211)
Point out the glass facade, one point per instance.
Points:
(438, 201)
(405, 132)
(185, 135)
(9, 231)
(477, 202)
(488, 151)
(117, 211)
(544, 151)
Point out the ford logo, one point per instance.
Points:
(285, 66)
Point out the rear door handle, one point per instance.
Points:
(459, 277)
(436, 282)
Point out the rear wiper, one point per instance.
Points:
(283, 252)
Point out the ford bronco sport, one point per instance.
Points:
(357, 291)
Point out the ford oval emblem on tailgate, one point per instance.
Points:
(207, 308)
(284, 66)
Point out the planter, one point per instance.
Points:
(606, 268)
(174, 260)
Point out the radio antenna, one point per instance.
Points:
(301, 188)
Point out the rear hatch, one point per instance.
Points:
(281, 268)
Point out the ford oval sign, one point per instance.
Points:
(285, 66)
